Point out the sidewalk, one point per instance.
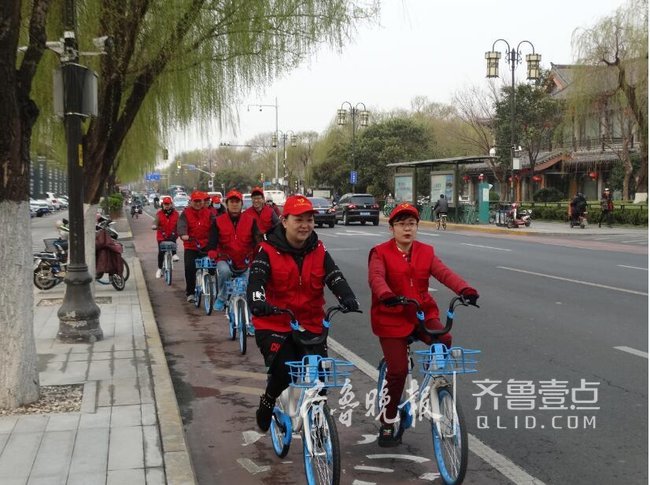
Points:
(128, 430)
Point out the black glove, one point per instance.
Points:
(350, 304)
(470, 295)
(262, 308)
(394, 301)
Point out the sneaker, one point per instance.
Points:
(264, 413)
(159, 273)
(219, 305)
(175, 258)
(388, 438)
(191, 298)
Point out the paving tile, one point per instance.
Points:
(123, 368)
(126, 449)
(126, 416)
(18, 456)
(89, 397)
(101, 418)
(3, 440)
(121, 477)
(97, 356)
(31, 423)
(53, 480)
(149, 414)
(155, 476)
(7, 423)
(87, 479)
(90, 453)
(152, 450)
(125, 391)
(104, 392)
(100, 370)
(54, 454)
(63, 422)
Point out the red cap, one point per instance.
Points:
(234, 194)
(257, 190)
(198, 195)
(404, 208)
(216, 199)
(166, 200)
(296, 205)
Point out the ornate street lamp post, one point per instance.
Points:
(513, 58)
(359, 110)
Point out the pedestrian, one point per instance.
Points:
(233, 237)
(265, 217)
(400, 268)
(606, 208)
(270, 203)
(290, 270)
(194, 228)
(166, 225)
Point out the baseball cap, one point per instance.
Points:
(234, 194)
(166, 200)
(296, 205)
(198, 195)
(404, 208)
(257, 191)
(216, 199)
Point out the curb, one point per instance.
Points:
(176, 457)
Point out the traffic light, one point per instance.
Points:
(165, 154)
(295, 185)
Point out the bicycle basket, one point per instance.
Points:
(439, 360)
(330, 372)
(168, 246)
(205, 263)
(237, 285)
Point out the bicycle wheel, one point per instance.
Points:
(126, 271)
(232, 320)
(323, 464)
(444, 223)
(198, 289)
(208, 296)
(280, 432)
(167, 267)
(242, 320)
(117, 281)
(450, 441)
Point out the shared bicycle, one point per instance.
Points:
(168, 247)
(441, 221)
(205, 287)
(239, 316)
(303, 408)
(437, 364)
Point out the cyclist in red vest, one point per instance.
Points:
(264, 215)
(194, 228)
(290, 270)
(165, 224)
(401, 267)
(233, 237)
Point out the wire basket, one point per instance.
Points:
(328, 371)
(237, 286)
(168, 246)
(49, 244)
(205, 263)
(439, 360)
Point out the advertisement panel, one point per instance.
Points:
(443, 183)
(404, 187)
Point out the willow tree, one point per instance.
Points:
(619, 45)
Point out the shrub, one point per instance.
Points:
(548, 194)
(113, 203)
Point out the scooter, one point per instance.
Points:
(50, 265)
(517, 218)
(580, 220)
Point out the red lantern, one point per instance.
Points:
(467, 178)
(481, 177)
(537, 178)
(593, 175)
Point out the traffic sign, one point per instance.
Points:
(353, 177)
(152, 177)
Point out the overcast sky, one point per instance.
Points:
(429, 48)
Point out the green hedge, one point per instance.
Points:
(113, 203)
(636, 216)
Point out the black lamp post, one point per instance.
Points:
(341, 119)
(513, 57)
(78, 314)
(284, 136)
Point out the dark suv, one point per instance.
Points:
(357, 208)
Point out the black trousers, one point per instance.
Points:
(189, 258)
(605, 216)
(161, 255)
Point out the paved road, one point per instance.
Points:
(551, 308)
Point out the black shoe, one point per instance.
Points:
(387, 436)
(264, 413)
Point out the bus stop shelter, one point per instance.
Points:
(438, 163)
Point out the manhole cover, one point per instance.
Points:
(100, 300)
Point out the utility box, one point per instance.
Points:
(75, 91)
(483, 202)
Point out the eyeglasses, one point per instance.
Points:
(406, 225)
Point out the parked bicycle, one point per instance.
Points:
(302, 407)
(437, 364)
(237, 311)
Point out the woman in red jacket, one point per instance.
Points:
(165, 224)
(398, 268)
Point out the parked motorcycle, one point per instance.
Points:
(518, 218)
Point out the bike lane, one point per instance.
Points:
(218, 391)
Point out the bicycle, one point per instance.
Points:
(302, 407)
(169, 247)
(447, 419)
(441, 221)
(239, 317)
(205, 283)
(388, 208)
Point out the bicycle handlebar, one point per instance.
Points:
(456, 301)
(297, 329)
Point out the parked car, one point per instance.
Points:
(40, 207)
(181, 201)
(325, 213)
(357, 208)
(63, 200)
(51, 198)
(248, 202)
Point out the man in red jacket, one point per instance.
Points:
(401, 267)
(265, 217)
(165, 224)
(290, 270)
(194, 228)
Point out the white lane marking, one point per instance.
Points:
(398, 456)
(497, 461)
(343, 249)
(359, 233)
(587, 283)
(485, 247)
(632, 351)
(252, 467)
(366, 468)
(366, 439)
(430, 477)
(501, 463)
(361, 482)
(433, 234)
(251, 437)
(631, 267)
(634, 241)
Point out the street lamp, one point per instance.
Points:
(284, 136)
(513, 57)
(341, 119)
(260, 106)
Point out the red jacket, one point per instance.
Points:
(300, 290)
(390, 274)
(167, 230)
(235, 243)
(198, 227)
(264, 218)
